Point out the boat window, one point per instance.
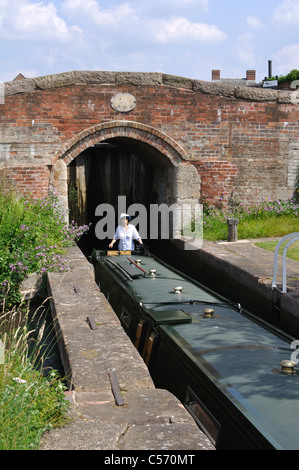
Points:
(204, 419)
(125, 318)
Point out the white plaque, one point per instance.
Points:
(123, 102)
(270, 83)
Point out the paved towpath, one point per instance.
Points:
(243, 272)
(248, 257)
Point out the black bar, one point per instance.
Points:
(92, 323)
(115, 388)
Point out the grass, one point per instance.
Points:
(33, 233)
(30, 402)
(263, 220)
(292, 253)
(275, 226)
(267, 219)
(270, 227)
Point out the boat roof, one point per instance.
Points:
(240, 354)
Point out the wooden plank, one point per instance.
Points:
(149, 347)
(117, 253)
(138, 333)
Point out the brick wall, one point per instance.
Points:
(29, 180)
(245, 139)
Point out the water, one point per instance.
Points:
(43, 339)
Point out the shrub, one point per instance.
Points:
(290, 77)
(30, 403)
(33, 233)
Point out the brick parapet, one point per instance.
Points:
(67, 79)
(236, 137)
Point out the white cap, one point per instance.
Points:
(122, 215)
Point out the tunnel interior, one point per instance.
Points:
(113, 168)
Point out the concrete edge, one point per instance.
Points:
(238, 281)
(151, 419)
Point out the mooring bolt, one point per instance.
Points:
(92, 323)
(115, 387)
(232, 230)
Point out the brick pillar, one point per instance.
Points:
(250, 75)
(215, 75)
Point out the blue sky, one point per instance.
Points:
(180, 37)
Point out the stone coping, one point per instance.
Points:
(67, 79)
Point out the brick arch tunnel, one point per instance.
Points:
(121, 158)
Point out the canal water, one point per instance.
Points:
(42, 341)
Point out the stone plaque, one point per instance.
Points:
(123, 102)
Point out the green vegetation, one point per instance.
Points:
(266, 219)
(289, 77)
(30, 403)
(293, 250)
(33, 234)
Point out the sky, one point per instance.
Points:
(188, 38)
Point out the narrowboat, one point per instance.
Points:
(232, 371)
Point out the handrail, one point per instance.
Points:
(136, 265)
(293, 237)
(120, 269)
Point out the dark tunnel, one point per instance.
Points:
(116, 167)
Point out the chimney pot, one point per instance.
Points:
(250, 75)
(215, 75)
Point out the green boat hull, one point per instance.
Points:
(221, 362)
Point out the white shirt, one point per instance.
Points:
(126, 237)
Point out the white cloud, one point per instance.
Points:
(182, 37)
(287, 59)
(25, 20)
(287, 12)
(181, 29)
(130, 25)
(48, 57)
(198, 3)
(245, 49)
(176, 4)
(89, 12)
(137, 20)
(254, 22)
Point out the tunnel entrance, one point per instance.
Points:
(120, 158)
(112, 168)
